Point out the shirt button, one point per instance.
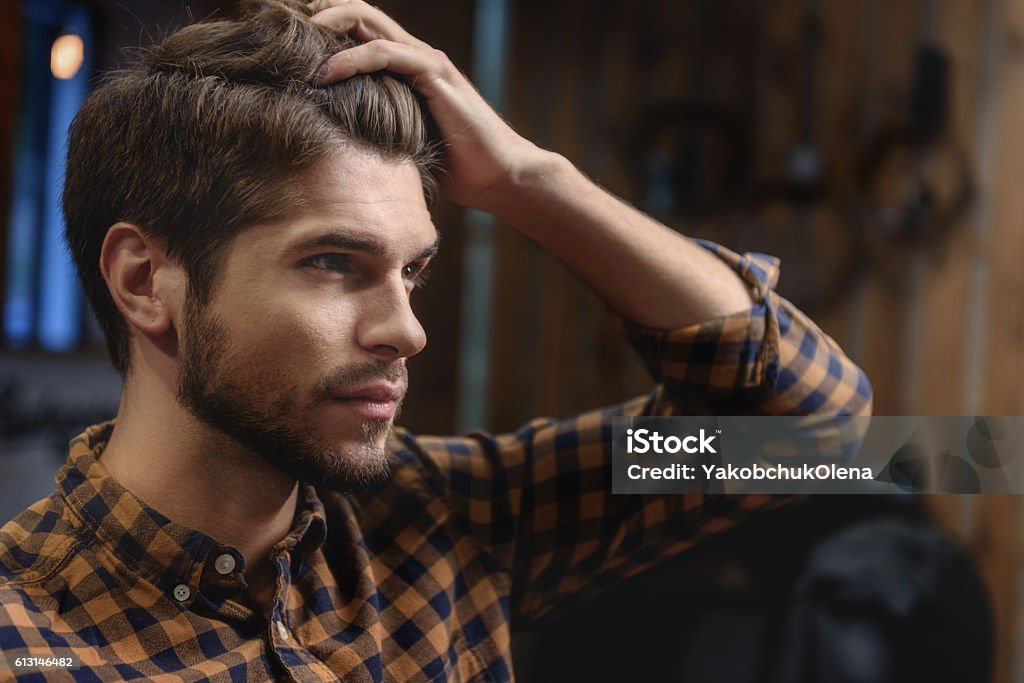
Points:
(281, 630)
(182, 592)
(224, 564)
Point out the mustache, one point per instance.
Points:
(349, 377)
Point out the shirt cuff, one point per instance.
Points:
(725, 354)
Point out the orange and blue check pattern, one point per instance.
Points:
(425, 577)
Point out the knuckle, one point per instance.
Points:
(442, 60)
(442, 64)
(321, 5)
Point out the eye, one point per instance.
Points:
(333, 262)
(417, 273)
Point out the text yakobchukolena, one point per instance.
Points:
(784, 455)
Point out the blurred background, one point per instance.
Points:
(873, 146)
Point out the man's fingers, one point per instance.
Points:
(340, 21)
(319, 5)
(368, 22)
(390, 47)
(384, 55)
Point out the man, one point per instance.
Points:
(246, 209)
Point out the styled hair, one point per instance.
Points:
(210, 131)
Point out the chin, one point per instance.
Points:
(347, 464)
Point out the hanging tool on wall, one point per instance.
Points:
(796, 216)
(914, 179)
(690, 154)
(806, 169)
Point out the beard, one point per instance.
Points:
(264, 413)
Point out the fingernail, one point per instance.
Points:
(322, 72)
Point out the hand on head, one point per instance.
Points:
(484, 155)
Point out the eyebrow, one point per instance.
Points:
(339, 239)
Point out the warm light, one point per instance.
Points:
(66, 56)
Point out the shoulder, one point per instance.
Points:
(36, 542)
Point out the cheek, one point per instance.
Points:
(301, 335)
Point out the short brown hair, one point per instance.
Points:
(207, 133)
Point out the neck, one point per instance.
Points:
(199, 477)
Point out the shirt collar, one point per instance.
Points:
(163, 552)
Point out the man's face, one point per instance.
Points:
(300, 353)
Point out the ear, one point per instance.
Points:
(135, 268)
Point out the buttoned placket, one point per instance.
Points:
(291, 654)
(281, 639)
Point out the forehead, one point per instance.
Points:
(357, 194)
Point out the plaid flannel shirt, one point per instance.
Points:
(425, 577)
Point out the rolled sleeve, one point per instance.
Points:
(770, 359)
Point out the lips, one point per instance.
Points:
(372, 402)
(376, 393)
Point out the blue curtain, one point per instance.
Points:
(44, 304)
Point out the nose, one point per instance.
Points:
(389, 329)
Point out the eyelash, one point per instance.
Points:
(418, 275)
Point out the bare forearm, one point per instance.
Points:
(642, 269)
